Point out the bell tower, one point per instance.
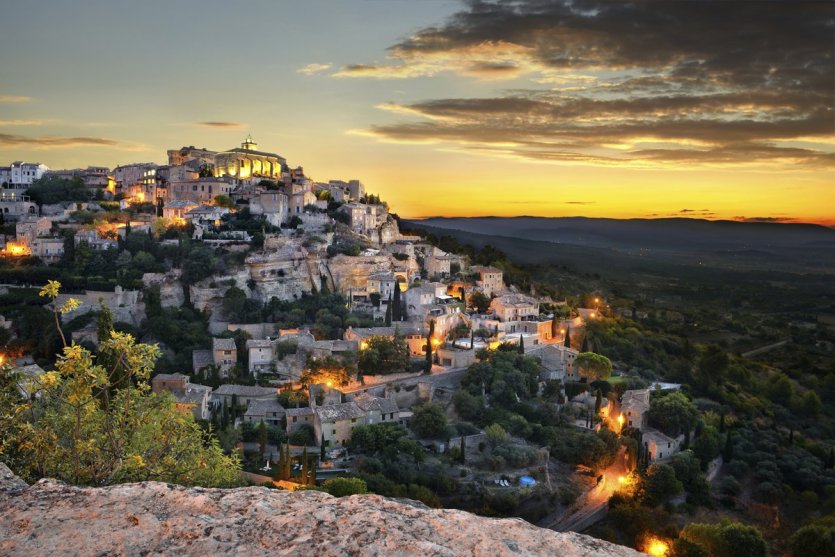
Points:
(249, 143)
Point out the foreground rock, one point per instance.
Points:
(51, 518)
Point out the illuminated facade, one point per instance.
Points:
(247, 162)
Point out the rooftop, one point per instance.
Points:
(339, 412)
(245, 390)
(223, 344)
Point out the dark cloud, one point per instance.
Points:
(764, 219)
(56, 142)
(644, 82)
(220, 124)
(580, 202)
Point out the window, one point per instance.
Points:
(294, 419)
(334, 432)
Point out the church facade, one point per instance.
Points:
(247, 162)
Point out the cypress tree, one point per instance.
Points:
(262, 438)
(464, 298)
(567, 340)
(104, 323)
(555, 328)
(585, 345)
(728, 451)
(598, 402)
(322, 455)
(521, 345)
(397, 308)
(304, 466)
(224, 417)
(428, 368)
(388, 313)
(287, 462)
(472, 340)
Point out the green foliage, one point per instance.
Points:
(304, 435)
(384, 355)
(673, 413)
(429, 420)
(496, 435)
(342, 487)
(81, 434)
(579, 446)
(660, 484)
(728, 539)
(479, 301)
(812, 539)
(53, 189)
(594, 367)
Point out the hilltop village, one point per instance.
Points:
(316, 341)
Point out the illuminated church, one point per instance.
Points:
(246, 161)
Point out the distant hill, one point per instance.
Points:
(672, 233)
(679, 241)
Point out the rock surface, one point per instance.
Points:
(51, 518)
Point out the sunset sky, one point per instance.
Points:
(598, 108)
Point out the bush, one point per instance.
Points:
(342, 487)
(303, 436)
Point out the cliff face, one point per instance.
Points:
(51, 518)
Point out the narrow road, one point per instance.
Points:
(762, 349)
(592, 506)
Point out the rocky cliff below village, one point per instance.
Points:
(51, 518)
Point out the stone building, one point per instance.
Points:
(246, 162)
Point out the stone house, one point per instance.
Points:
(634, 405)
(244, 393)
(660, 446)
(490, 279)
(296, 417)
(269, 411)
(224, 354)
(557, 362)
(191, 397)
(336, 422)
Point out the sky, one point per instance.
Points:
(646, 109)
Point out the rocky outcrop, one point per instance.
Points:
(51, 518)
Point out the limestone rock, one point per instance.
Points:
(51, 518)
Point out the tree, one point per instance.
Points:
(480, 301)
(429, 420)
(660, 484)
(567, 340)
(262, 438)
(555, 326)
(383, 355)
(727, 539)
(728, 450)
(104, 323)
(86, 432)
(388, 313)
(53, 189)
(521, 345)
(673, 413)
(706, 445)
(397, 309)
(224, 201)
(712, 365)
(428, 366)
(496, 435)
(812, 539)
(342, 487)
(593, 367)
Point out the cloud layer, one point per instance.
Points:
(220, 124)
(645, 83)
(58, 142)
